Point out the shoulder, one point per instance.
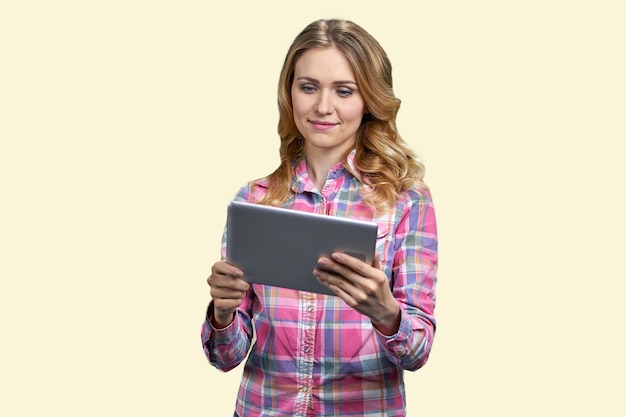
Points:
(416, 206)
(417, 194)
(253, 191)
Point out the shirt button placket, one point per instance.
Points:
(305, 359)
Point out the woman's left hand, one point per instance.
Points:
(363, 287)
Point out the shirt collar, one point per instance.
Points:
(301, 181)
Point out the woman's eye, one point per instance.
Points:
(307, 88)
(344, 92)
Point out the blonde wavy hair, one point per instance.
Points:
(383, 158)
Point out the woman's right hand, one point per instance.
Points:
(227, 290)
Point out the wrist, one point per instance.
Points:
(222, 321)
(218, 319)
(389, 324)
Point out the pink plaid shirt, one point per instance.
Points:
(312, 354)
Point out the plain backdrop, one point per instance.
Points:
(127, 126)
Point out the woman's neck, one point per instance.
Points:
(318, 167)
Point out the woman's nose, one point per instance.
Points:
(324, 103)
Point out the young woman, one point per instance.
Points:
(341, 155)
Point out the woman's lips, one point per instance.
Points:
(319, 125)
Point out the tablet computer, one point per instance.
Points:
(280, 247)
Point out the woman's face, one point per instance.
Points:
(327, 105)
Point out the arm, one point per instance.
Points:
(227, 329)
(414, 278)
(227, 347)
(400, 307)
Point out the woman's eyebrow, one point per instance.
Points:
(313, 80)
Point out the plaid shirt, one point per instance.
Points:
(314, 355)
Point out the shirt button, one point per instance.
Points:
(309, 308)
(307, 349)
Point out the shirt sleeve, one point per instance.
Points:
(228, 347)
(414, 278)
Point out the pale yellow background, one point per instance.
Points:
(127, 126)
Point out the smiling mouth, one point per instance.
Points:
(319, 125)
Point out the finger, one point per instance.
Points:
(227, 293)
(227, 276)
(346, 267)
(343, 288)
(341, 292)
(334, 280)
(224, 268)
(352, 263)
(228, 283)
(337, 266)
(365, 279)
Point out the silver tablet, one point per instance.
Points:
(280, 247)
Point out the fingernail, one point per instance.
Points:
(322, 261)
(336, 256)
